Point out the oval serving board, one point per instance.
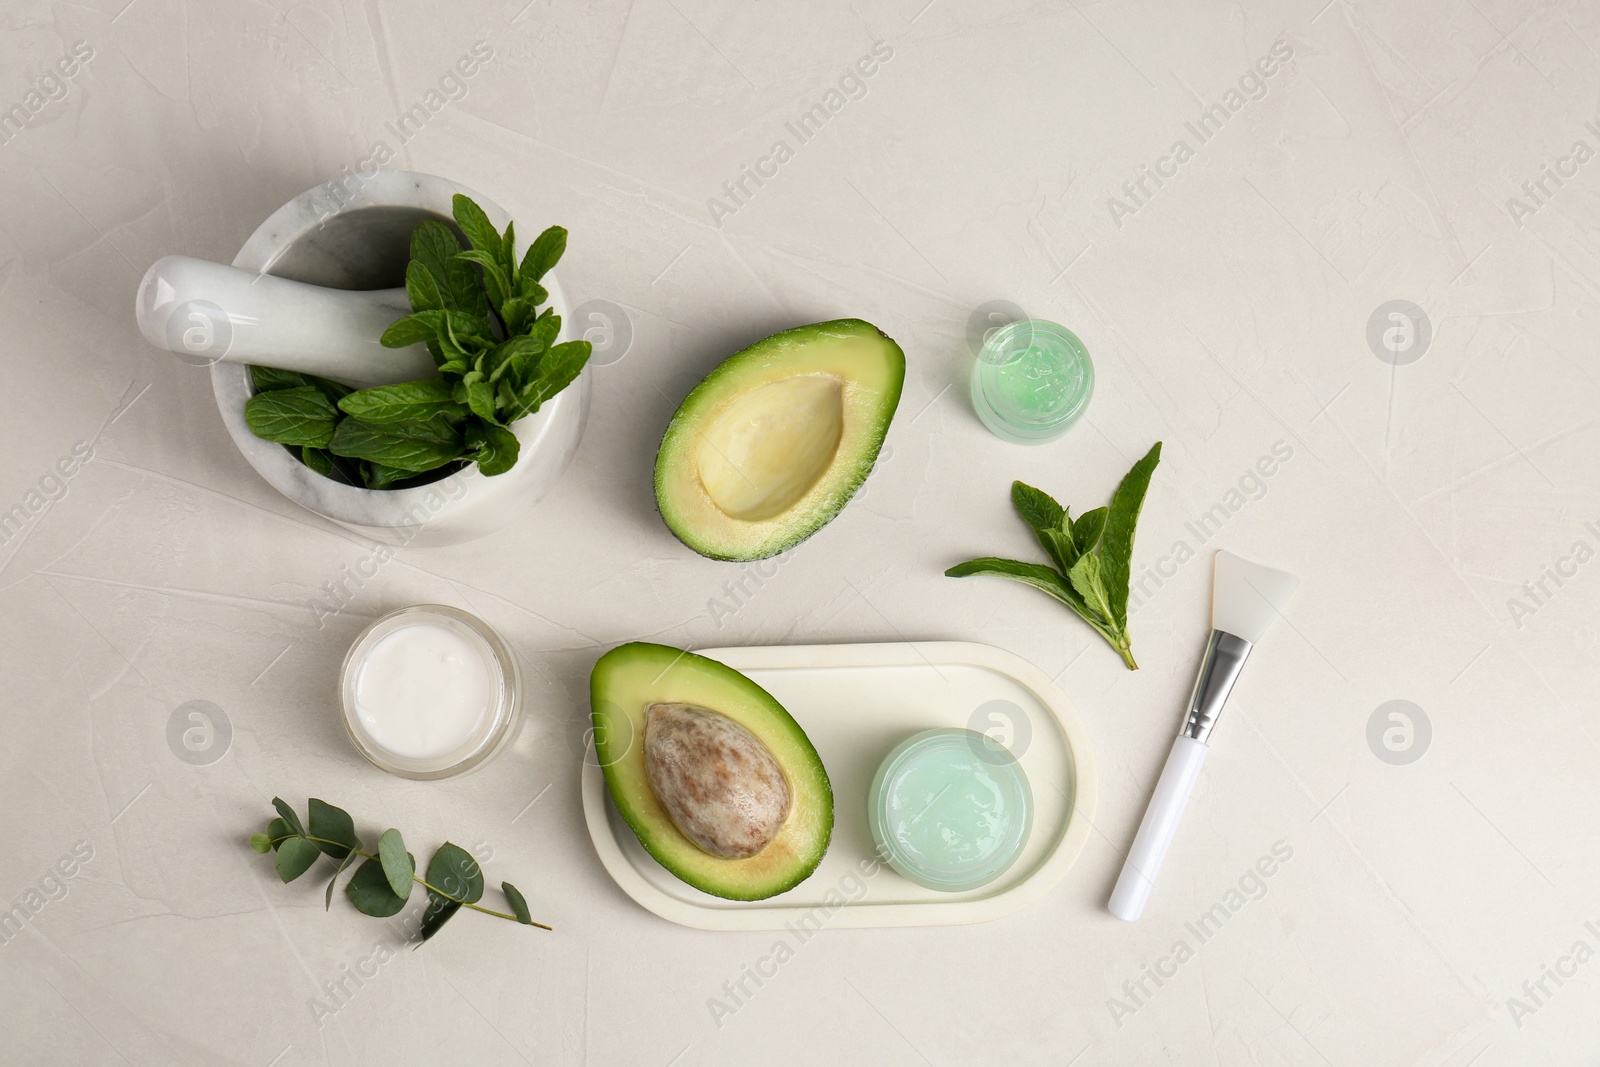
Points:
(856, 702)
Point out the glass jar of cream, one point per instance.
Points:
(950, 809)
(430, 692)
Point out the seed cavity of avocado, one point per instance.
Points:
(721, 787)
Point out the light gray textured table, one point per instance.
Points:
(1442, 511)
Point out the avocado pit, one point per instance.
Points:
(721, 787)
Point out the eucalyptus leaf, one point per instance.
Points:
(290, 819)
(327, 895)
(398, 865)
(519, 904)
(278, 830)
(260, 843)
(454, 873)
(369, 890)
(439, 912)
(334, 825)
(295, 857)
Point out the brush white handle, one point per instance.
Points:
(207, 312)
(1157, 828)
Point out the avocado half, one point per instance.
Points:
(631, 678)
(775, 440)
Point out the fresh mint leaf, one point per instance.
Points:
(319, 460)
(480, 398)
(504, 357)
(1037, 508)
(494, 276)
(298, 416)
(433, 244)
(1087, 528)
(543, 254)
(1116, 547)
(405, 401)
(399, 866)
(371, 892)
(555, 372)
(416, 328)
(495, 447)
(423, 288)
(508, 250)
(474, 222)
(1092, 556)
(417, 445)
(377, 476)
(1086, 581)
(468, 333)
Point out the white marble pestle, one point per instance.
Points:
(208, 312)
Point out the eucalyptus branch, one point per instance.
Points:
(383, 883)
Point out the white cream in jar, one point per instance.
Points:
(429, 692)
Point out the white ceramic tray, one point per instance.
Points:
(856, 702)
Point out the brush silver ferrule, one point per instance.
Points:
(1219, 669)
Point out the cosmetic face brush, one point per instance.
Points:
(1246, 600)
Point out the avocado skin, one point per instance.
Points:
(609, 687)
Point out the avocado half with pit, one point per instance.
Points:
(719, 783)
(775, 440)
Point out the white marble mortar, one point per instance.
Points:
(355, 234)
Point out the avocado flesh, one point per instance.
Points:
(632, 678)
(775, 440)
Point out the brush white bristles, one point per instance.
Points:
(1247, 598)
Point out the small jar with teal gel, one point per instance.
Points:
(1032, 381)
(950, 809)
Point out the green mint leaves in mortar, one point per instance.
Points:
(1091, 555)
(382, 883)
(477, 310)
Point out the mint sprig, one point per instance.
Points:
(478, 311)
(1092, 555)
(384, 882)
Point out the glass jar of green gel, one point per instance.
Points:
(1032, 381)
(950, 809)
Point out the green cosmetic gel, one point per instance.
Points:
(1032, 380)
(950, 809)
